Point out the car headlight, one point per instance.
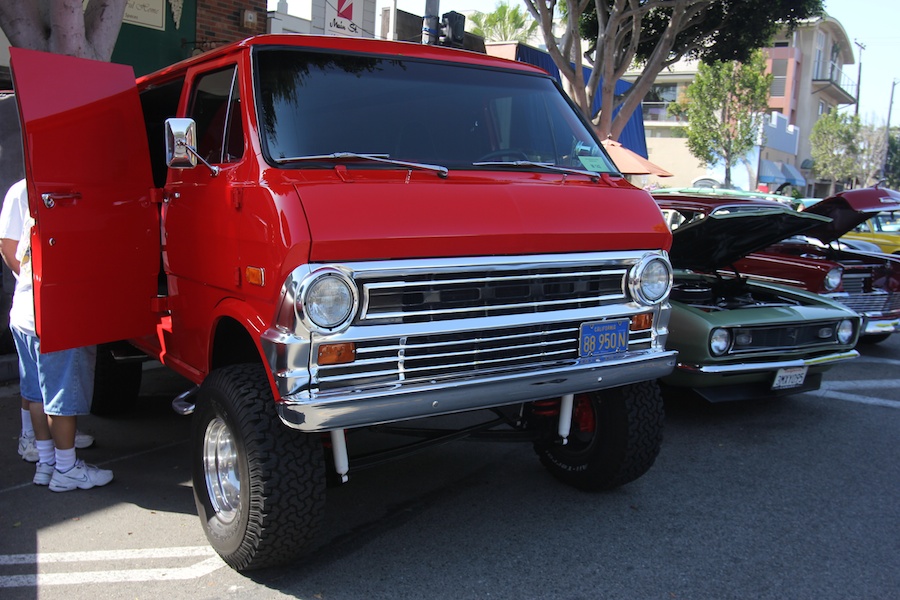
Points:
(651, 280)
(327, 299)
(845, 331)
(833, 279)
(719, 341)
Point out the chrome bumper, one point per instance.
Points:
(876, 325)
(400, 402)
(827, 359)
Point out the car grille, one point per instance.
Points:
(786, 337)
(455, 355)
(416, 318)
(871, 302)
(418, 298)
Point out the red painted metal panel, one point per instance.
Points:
(96, 250)
(467, 215)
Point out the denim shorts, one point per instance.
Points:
(63, 381)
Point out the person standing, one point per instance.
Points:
(56, 385)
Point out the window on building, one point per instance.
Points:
(819, 66)
(779, 77)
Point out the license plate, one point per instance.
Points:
(789, 378)
(603, 337)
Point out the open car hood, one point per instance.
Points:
(850, 208)
(719, 240)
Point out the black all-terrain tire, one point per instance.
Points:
(117, 383)
(615, 437)
(258, 485)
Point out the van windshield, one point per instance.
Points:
(314, 106)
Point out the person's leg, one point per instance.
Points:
(67, 383)
(27, 448)
(32, 400)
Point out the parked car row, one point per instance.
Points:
(765, 299)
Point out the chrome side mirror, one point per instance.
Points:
(181, 134)
(181, 149)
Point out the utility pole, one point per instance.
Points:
(431, 22)
(887, 128)
(859, 75)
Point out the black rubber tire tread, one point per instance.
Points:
(627, 439)
(282, 473)
(117, 384)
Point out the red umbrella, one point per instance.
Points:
(632, 163)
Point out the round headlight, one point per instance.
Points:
(833, 279)
(651, 281)
(328, 299)
(845, 331)
(719, 341)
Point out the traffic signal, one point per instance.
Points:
(453, 29)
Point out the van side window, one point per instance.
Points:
(216, 108)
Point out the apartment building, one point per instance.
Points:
(811, 77)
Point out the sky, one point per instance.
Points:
(865, 21)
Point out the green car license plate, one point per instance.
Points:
(789, 378)
(600, 338)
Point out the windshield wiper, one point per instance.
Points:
(528, 163)
(381, 158)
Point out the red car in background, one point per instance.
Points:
(866, 282)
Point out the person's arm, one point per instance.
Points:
(8, 252)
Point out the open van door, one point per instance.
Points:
(95, 245)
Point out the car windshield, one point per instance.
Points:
(316, 108)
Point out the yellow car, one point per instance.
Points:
(882, 229)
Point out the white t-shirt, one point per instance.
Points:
(15, 224)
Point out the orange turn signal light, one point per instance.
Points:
(641, 322)
(337, 354)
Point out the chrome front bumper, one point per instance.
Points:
(400, 402)
(875, 325)
(757, 367)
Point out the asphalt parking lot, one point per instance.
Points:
(790, 498)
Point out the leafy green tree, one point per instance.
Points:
(835, 147)
(505, 24)
(654, 34)
(725, 107)
(892, 164)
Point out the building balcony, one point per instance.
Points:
(828, 79)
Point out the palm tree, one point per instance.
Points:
(506, 24)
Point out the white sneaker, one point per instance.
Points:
(27, 449)
(83, 440)
(42, 473)
(82, 476)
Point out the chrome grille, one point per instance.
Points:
(520, 289)
(787, 337)
(872, 302)
(437, 356)
(854, 283)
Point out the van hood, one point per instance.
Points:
(418, 215)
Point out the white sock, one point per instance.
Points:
(46, 451)
(65, 459)
(27, 429)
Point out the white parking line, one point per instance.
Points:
(198, 569)
(833, 389)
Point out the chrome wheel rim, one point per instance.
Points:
(220, 467)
